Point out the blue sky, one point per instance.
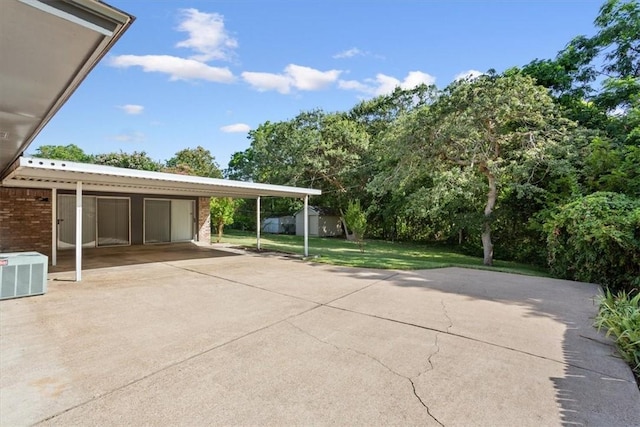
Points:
(191, 73)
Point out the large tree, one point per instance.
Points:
(69, 152)
(194, 161)
(490, 128)
(314, 149)
(136, 160)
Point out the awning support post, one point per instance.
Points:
(79, 231)
(306, 225)
(258, 222)
(54, 226)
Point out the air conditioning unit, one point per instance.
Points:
(22, 274)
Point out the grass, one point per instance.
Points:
(378, 254)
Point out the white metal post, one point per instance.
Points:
(306, 225)
(54, 226)
(258, 222)
(79, 231)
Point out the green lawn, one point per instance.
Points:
(378, 254)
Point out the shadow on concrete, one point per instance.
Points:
(591, 365)
(139, 254)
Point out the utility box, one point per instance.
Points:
(23, 274)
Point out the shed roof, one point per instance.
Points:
(45, 173)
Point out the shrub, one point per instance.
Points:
(620, 315)
(597, 239)
(356, 220)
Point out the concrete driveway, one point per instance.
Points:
(265, 340)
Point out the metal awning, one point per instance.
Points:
(56, 175)
(30, 172)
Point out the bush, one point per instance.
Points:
(357, 221)
(597, 239)
(620, 315)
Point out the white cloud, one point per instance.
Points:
(469, 74)
(129, 137)
(305, 78)
(354, 51)
(416, 78)
(619, 111)
(132, 108)
(383, 84)
(349, 53)
(236, 128)
(268, 81)
(177, 68)
(293, 77)
(207, 35)
(353, 85)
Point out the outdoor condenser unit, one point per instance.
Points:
(22, 274)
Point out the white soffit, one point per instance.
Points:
(47, 48)
(44, 173)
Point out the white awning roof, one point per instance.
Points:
(44, 173)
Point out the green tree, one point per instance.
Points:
(356, 220)
(70, 152)
(491, 128)
(385, 207)
(194, 161)
(136, 160)
(222, 210)
(314, 149)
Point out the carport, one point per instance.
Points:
(57, 175)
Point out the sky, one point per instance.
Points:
(194, 73)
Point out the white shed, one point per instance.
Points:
(279, 224)
(322, 222)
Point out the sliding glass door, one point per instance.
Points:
(67, 221)
(157, 221)
(113, 221)
(105, 221)
(168, 220)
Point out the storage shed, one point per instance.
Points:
(285, 224)
(322, 222)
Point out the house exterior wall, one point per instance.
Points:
(137, 212)
(25, 220)
(204, 219)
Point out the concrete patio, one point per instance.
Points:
(229, 339)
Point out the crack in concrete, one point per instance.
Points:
(492, 344)
(446, 314)
(378, 361)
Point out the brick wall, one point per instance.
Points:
(25, 220)
(204, 220)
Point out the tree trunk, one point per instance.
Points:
(220, 228)
(487, 246)
(350, 237)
